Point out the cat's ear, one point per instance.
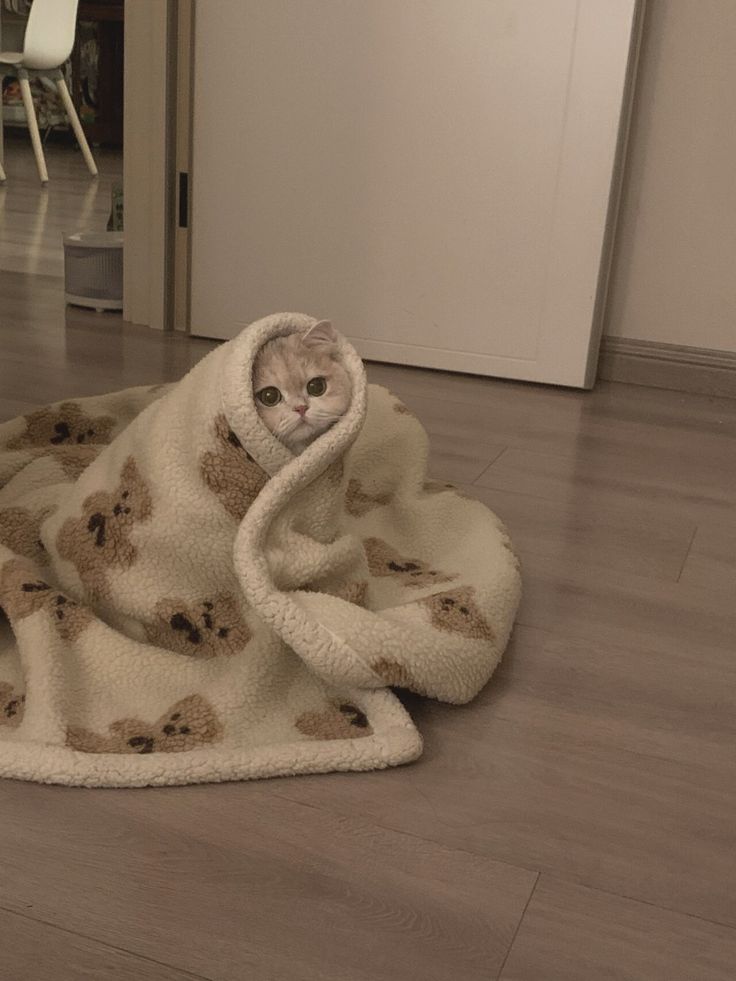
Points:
(322, 334)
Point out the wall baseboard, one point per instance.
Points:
(684, 369)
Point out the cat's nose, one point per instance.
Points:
(301, 409)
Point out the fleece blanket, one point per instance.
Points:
(185, 600)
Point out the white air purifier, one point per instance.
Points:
(93, 270)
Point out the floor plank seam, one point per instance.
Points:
(380, 825)
(572, 635)
(637, 754)
(518, 927)
(620, 508)
(687, 554)
(496, 458)
(556, 877)
(484, 467)
(104, 943)
(592, 565)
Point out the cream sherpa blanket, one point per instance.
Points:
(187, 601)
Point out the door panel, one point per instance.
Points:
(432, 175)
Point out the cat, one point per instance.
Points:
(300, 387)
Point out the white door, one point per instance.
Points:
(434, 176)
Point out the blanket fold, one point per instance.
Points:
(188, 601)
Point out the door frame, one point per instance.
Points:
(182, 164)
(616, 194)
(149, 88)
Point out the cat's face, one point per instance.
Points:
(300, 388)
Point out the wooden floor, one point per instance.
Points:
(576, 822)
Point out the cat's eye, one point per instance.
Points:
(269, 396)
(316, 386)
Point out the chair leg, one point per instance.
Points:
(76, 125)
(2, 132)
(25, 91)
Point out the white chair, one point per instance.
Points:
(49, 40)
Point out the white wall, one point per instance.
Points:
(674, 275)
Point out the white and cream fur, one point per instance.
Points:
(289, 363)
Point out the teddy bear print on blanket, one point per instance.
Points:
(188, 601)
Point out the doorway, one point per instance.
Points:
(119, 76)
(35, 216)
